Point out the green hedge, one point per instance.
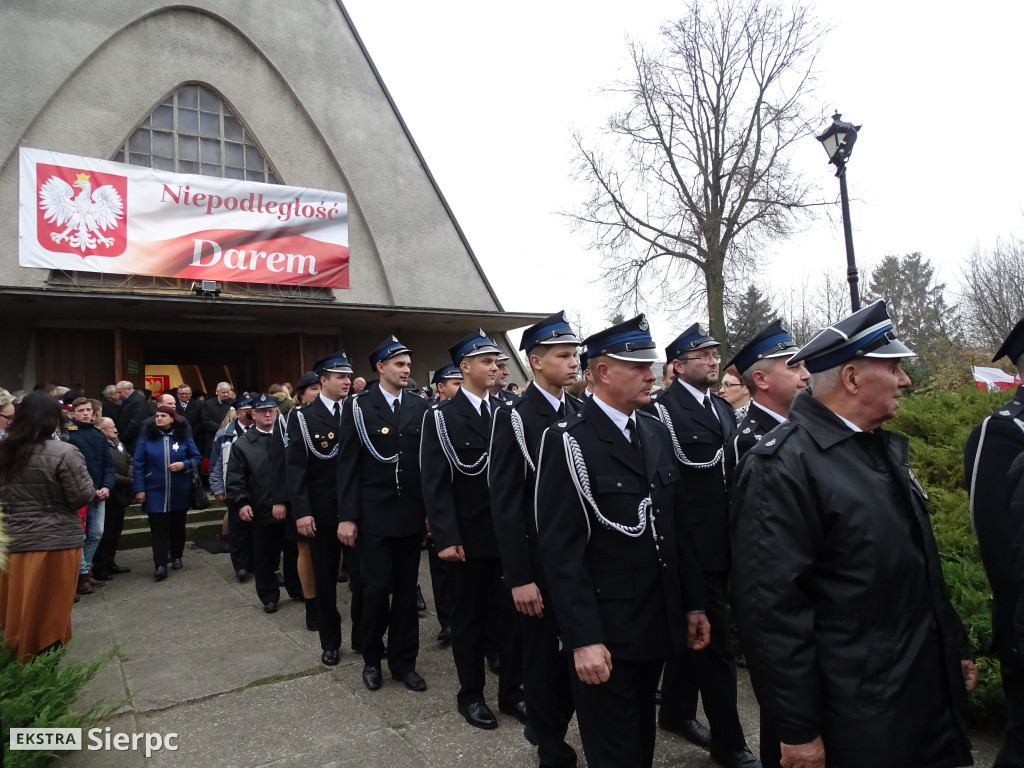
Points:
(40, 694)
(938, 424)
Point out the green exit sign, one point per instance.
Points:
(133, 366)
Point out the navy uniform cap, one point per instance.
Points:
(336, 362)
(477, 343)
(242, 403)
(868, 332)
(1013, 346)
(689, 340)
(773, 341)
(584, 358)
(448, 372)
(630, 341)
(263, 402)
(386, 350)
(554, 329)
(306, 380)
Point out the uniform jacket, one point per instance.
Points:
(632, 594)
(458, 505)
(312, 464)
(990, 450)
(755, 425)
(1015, 508)
(96, 452)
(840, 600)
(123, 479)
(700, 435)
(219, 454)
(512, 482)
(132, 413)
(156, 451)
(382, 499)
(41, 502)
(256, 474)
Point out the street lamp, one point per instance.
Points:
(838, 140)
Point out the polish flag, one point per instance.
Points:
(993, 379)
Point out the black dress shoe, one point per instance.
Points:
(297, 596)
(494, 664)
(160, 573)
(103, 576)
(241, 574)
(478, 715)
(371, 677)
(735, 758)
(445, 635)
(421, 604)
(329, 658)
(515, 708)
(270, 607)
(176, 564)
(412, 681)
(117, 570)
(691, 730)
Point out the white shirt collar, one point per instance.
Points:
(328, 403)
(390, 398)
(849, 423)
(694, 391)
(555, 402)
(769, 411)
(474, 400)
(619, 419)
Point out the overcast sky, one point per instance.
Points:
(492, 92)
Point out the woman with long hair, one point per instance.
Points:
(164, 461)
(43, 484)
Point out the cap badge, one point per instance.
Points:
(564, 318)
(394, 339)
(643, 326)
(481, 334)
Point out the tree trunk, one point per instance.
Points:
(714, 277)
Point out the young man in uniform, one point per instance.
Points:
(515, 442)
(314, 440)
(381, 511)
(453, 462)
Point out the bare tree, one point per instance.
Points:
(697, 173)
(807, 308)
(992, 292)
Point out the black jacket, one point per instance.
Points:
(212, 414)
(700, 436)
(192, 412)
(630, 593)
(839, 597)
(990, 450)
(133, 412)
(122, 494)
(749, 432)
(256, 475)
(383, 499)
(312, 463)
(512, 482)
(96, 451)
(458, 504)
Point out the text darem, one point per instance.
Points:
(233, 258)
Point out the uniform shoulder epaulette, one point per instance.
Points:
(443, 403)
(1011, 410)
(572, 399)
(747, 426)
(718, 396)
(657, 394)
(770, 443)
(647, 415)
(304, 406)
(568, 423)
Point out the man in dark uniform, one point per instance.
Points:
(617, 550)
(381, 507)
(988, 455)
(453, 462)
(314, 440)
(256, 487)
(772, 384)
(515, 441)
(701, 425)
(855, 653)
(498, 389)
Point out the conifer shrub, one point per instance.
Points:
(938, 424)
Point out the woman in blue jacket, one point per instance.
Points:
(165, 458)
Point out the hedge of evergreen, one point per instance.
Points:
(938, 424)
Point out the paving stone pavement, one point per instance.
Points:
(198, 657)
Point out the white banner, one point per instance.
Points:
(84, 214)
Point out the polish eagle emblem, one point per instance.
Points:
(84, 216)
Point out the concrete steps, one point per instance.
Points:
(199, 523)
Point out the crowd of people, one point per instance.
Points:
(587, 536)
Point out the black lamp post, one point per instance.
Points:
(838, 140)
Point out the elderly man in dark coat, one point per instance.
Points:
(856, 655)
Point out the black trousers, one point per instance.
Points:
(547, 687)
(390, 566)
(616, 718)
(440, 585)
(326, 552)
(1012, 751)
(239, 541)
(474, 582)
(167, 531)
(113, 524)
(268, 544)
(712, 672)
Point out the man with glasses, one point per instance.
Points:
(498, 390)
(701, 425)
(189, 409)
